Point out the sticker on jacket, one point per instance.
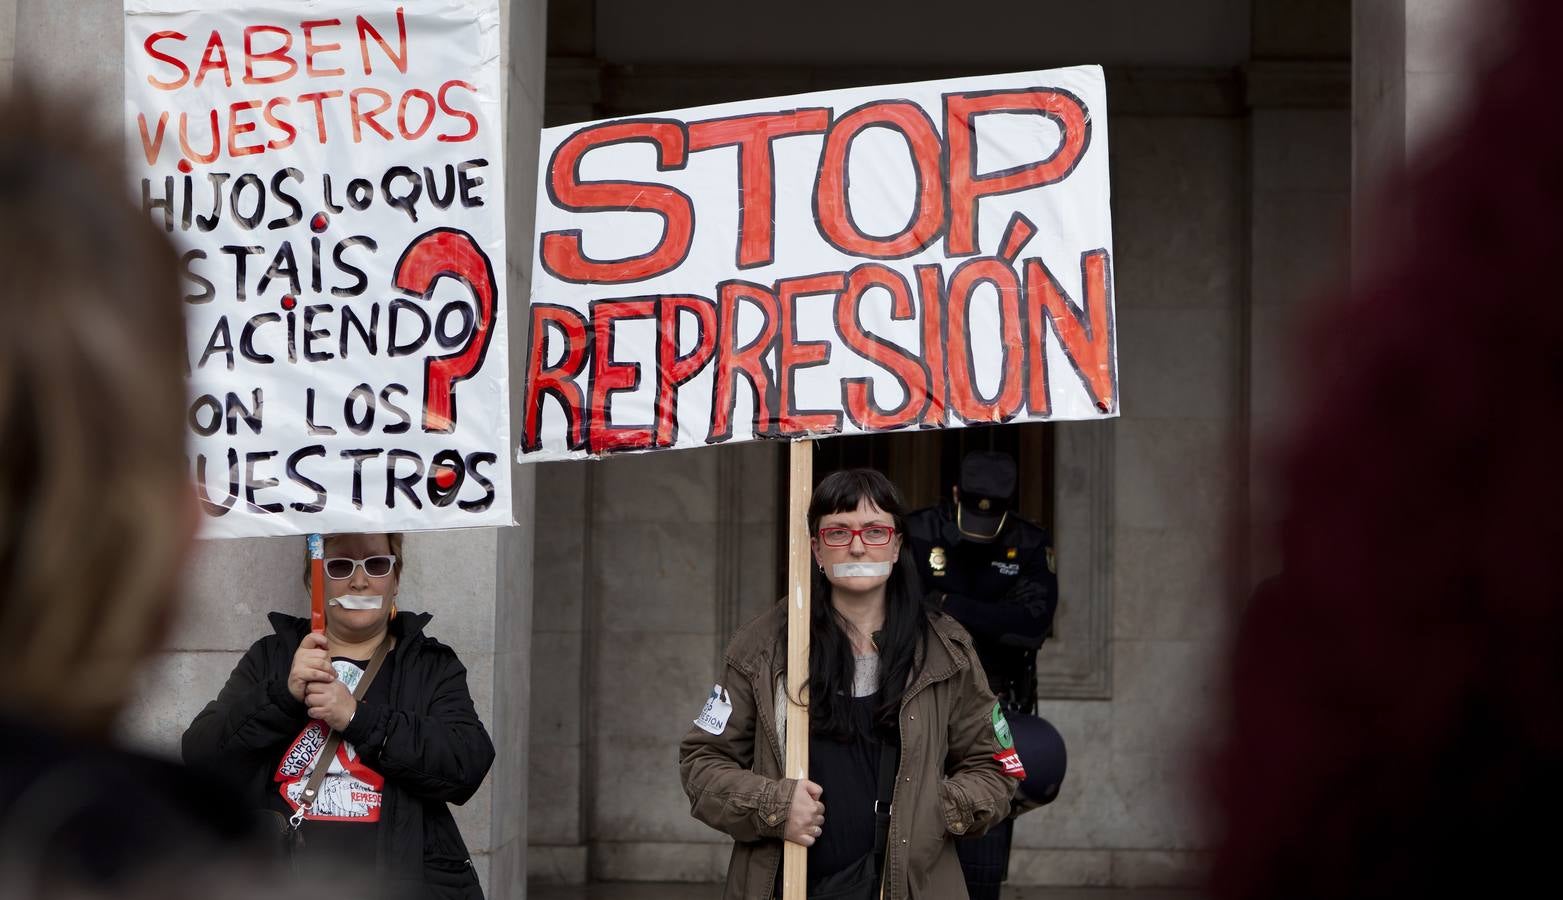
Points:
(351, 791)
(1007, 757)
(718, 709)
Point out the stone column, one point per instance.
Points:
(73, 48)
(1297, 90)
(7, 42)
(477, 582)
(525, 56)
(1410, 69)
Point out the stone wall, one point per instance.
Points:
(1412, 63)
(1126, 816)
(1298, 202)
(7, 42)
(645, 565)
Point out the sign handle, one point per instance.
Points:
(317, 584)
(795, 857)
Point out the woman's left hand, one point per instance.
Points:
(330, 702)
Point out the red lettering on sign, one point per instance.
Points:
(795, 354)
(214, 58)
(610, 377)
(857, 394)
(675, 369)
(270, 47)
(752, 331)
(152, 51)
(237, 128)
(290, 134)
(1086, 335)
(278, 55)
(942, 376)
(960, 131)
(562, 253)
(318, 99)
(965, 399)
(152, 145)
(361, 116)
(398, 58)
(830, 190)
(412, 134)
(469, 118)
(448, 253)
(184, 139)
(930, 288)
(748, 361)
(313, 49)
(557, 380)
(754, 135)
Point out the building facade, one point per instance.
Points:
(1241, 132)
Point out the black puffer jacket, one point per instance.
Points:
(105, 821)
(427, 742)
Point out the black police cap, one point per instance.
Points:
(987, 486)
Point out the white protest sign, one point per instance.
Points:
(915, 256)
(331, 174)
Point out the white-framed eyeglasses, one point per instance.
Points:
(340, 568)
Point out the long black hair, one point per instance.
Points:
(902, 641)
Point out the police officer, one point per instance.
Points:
(995, 573)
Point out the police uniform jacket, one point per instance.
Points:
(1004, 592)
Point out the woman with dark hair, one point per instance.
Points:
(890, 680)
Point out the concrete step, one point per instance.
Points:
(650, 891)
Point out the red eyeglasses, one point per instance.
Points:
(873, 535)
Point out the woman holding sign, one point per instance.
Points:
(901, 722)
(386, 705)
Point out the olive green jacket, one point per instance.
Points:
(949, 782)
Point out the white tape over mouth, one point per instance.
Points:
(358, 601)
(861, 569)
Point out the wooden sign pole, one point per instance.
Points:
(800, 484)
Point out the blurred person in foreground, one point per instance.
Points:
(97, 518)
(410, 740)
(1395, 723)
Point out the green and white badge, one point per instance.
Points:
(1001, 728)
(1007, 757)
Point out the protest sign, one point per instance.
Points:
(917, 256)
(331, 174)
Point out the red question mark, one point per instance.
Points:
(441, 253)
